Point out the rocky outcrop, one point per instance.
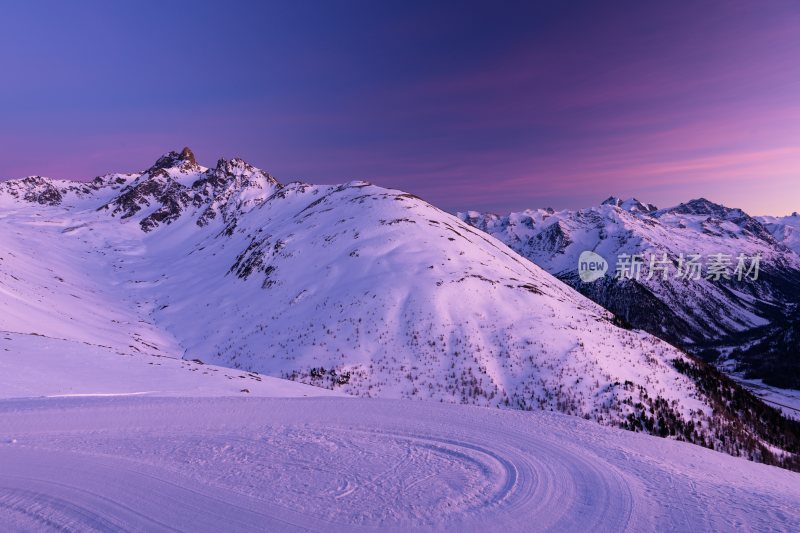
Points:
(176, 183)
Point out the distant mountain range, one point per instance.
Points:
(750, 324)
(375, 292)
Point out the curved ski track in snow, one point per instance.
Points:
(234, 464)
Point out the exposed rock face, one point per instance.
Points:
(717, 214)
(176, 182)
(160, 189)
(233, 185)
(183, 161)
(173, 185)
(632, 204)
(46, 191)
(552, 240)
(42, 192)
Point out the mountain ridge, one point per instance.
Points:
(707, 317)
(368, 290)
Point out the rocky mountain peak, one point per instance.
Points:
(188, 155)
(631, 204)
(701, 206)
(183, 161)
(234, 167)
(237, 173)
(177, 183)
(717, 213)
(611, 200)
(33, 189)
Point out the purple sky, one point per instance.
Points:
(471, 106)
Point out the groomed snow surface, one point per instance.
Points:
(138, 442)
(241, 464)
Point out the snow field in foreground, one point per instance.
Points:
(342, 464)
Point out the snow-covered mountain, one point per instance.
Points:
(368, 290)
(786, 230)
(92, 439)
(715, 318)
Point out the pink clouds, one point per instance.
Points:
(495, 107)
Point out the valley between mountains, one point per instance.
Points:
(354, 288)
(193, 348)
(748, 326)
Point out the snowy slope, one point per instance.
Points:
(34, 366)
(698, 314)
(366, 290)
(234, 464)
(786, 230)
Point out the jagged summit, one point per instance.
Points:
(611, 200)
(35, 189)
(239, 168)
(631, 204)
(352, 286)
(177, 184)
(183, 161)
(187, 154)
(702, 206)
(715, 215)
(46, 191)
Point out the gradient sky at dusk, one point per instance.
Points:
(469, 105)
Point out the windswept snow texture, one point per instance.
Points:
(232, 464)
